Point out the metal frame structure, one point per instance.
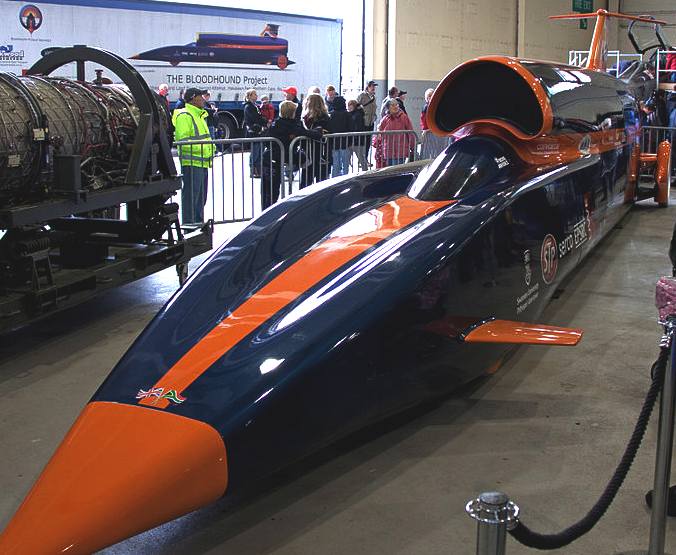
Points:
(96, 253)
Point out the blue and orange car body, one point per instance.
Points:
(223, 48)
(347, 302)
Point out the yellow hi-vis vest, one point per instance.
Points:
(190, 125)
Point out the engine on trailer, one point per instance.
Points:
(51, 127)
(72, 153)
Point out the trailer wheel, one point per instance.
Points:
(182, 271)
(226, 128)
(282, 61)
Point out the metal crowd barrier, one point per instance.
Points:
(249, 174)
(311, 161)
(613, 58)
(651, 137)
(244, 178)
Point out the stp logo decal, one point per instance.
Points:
(30, 18)
(549, 259)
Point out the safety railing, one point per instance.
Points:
(614, 59)
(228, 180)
(651, 137)
(497, 516)
(233, 180)
(336, 154)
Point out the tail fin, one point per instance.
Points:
(598, 47)
(271, 30)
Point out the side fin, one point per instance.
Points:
(507, 331)
(598, 47)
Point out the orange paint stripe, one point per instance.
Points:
(322, 260)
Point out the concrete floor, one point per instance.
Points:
(548, 428)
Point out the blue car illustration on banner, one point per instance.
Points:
(267, 48)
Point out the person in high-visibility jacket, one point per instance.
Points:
(190, 124)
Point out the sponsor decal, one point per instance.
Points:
(153, 392)
(525, 300)
(528, 274)
(173, 396)
(573, 240)
(8, 54)
(585, 144)
(158, 392)
(30, 18)
(501, 162)
(549, 261)
(547, 147)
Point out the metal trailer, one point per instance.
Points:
(62, 239)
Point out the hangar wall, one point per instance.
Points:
(413, 43)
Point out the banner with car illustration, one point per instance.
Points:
(225, 50)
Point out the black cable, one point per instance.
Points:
(529, 538)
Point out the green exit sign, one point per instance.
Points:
(583, 23)
(583, 6)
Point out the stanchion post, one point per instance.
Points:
(495, 514)
(665, 439)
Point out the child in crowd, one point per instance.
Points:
(267, 109)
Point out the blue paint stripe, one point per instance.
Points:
(192, 9)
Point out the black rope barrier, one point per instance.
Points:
(529, 538)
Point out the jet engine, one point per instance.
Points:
(72, 154)
(50, 126)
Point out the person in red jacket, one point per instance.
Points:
(671, 66)
(395, 147)
(267, 109)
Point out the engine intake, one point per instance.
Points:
(489, 90)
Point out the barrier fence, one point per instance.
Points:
(652, 136)
(249, 174)
(614, 59)
(497, 515)
(231, 188)
(337, 154)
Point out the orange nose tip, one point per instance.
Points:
(121, 469)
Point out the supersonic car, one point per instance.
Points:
(355, 299)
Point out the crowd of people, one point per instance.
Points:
(195, 118)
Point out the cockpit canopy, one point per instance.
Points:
(467, 166)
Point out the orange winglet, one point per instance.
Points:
(506, 331)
